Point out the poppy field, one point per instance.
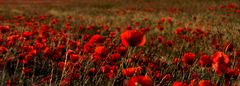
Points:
(120, 43)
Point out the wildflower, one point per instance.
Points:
(188, 58)
(96, 39)
(220, 57)
(74, 57)
(205, 61)
(177, 83)
(169, 43)
(4, 29)
(3, 50)
(65, 82)
(27, 34)
(220, 68)
(205, 83)
(160, 39)
(61, 65)
(115, 56)
(140, 81)
(131, 71)
(157, 74)
(100, 52)
(133, 38)
(220, 62)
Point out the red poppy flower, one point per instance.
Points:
(110, 75)
(169, 43)
(175, 60)
(162, 20)
(96, 39)
(44, 28)
(193, 82)
(205, 83)
(28, 57)
(140, 81)
(220, 57)
(54, 21)
(220, 68)
(112, 34)
(232, 5)
(10, 83)
(13, 37)
(220, 62)
(181, 31)
(27, 34)
(160, 39)
(67, 26)
(121, 50)
(131, 71)
(205, 61)
(4, 29)
(70, 52)
(3, 50)
(74, 57)
(232, 73)
(157, 74)
(92, 71)
(133, 38)
(188, 58)
(177, 83)
(47, 52)
(115, 56)
(61, 65)
(69, 17)
(238, 11)
(105, 69)
(65, 82)
(170, 20)
(160, 28)
(101, 50)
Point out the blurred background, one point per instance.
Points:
(94, 7)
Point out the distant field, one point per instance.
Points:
(120, 42)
